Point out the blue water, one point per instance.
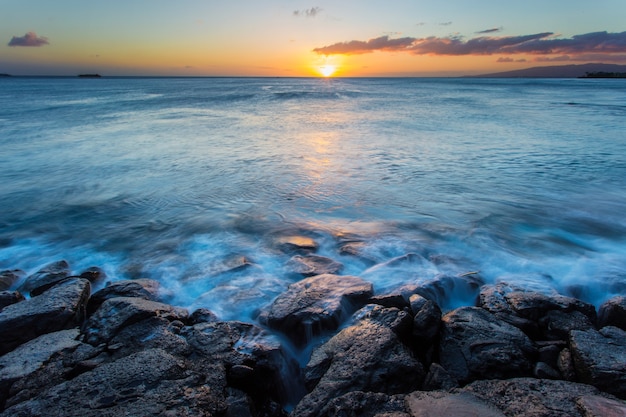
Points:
(521, 180)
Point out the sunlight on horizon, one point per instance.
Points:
(327, 70)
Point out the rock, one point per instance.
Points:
(202, 315)
(476, 345)
(45, 278)
(544, 371)
(365, 404)
(31, 356)
(397, 320)
(600, 358)
(613, 313)
(366, 356)
(463, 404)
(93, 274)
(317, 304)
(427, 320)
(116, 313)
(492, 298)
(438, 379)
(144, 288)
(9, 278)
(359, 250)
(534, 305)
(531, 397)
(556, 324)
(311, 265)
(59, 308)
(596, 406)
(10, 297)
(150, 333)
(296, 244)
(451, 291)
(565, 364)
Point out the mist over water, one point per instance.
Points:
(179, 180)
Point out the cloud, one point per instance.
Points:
(312, 12)
(492, 30)
(30, 39)
(544, 43)
(445, 23)
(509, 59)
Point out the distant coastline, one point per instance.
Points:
(89, 76)
(562, 71)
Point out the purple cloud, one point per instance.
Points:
(492, 30)
(30, 39)
(312, 12)
(536, 44)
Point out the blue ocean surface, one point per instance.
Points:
(505, 180)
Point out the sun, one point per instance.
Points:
(327, 70)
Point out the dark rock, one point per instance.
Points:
(476, 345)
(10, 297)
(534, 305)
(366, 356)
(153, 332)
(596, 406)
(427, 320)
(9, 278)
(557, 324)
(600, 358)
(364, 404)
(311, 265)
(317, 304)
(144, 288)
(463, 404)
(565, 363)
(492, 298)
(613, 313)
(544, 371)
(531, 397)
(549, 354)
(116, 313)
(392, 299)
(45, 278)
(93, 274)
(61, 307)
(296, 244)
(397, 320)
(202, 315)
(439, 379)
(451, 291)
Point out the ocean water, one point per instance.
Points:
(178, 179)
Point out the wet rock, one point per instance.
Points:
(10, 297)
(565, 364)
(600, 358)
(613, 313)
(557, 324)
(544, 371)
(311, 265)
(360, 251)
(439, 379)
(450, 291)
(531, 397)
(475, 345)
(116, 313)
(427, 319)
(93, 274)
(9, 278)
(317, 304)
(534, 305)
(152, 332)
(296, 244)
(45, 278)
(365, 404)
(463, 404)
(397, 320)
(202, 315)
(144, 288)
(492, 298)
(367, 356)
(59, 308)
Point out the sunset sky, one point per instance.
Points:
(306, 38)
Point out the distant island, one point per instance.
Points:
(89, 76)
(603, 74)
(4, 75)
(562, 71)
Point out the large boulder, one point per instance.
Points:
(61, 307)
(316, 304)
(45, 278)
(9, 278)
(475, 344)
(531, 397)
(613, 313)
(367, 356)
(116, 313)
(144, 288)
(600, 358)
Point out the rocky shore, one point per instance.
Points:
(123, 350)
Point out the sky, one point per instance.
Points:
(288, 38)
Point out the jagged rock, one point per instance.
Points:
(565, 363)
(317, 304)
(534, 305)
(149, 333)
(427, 320)
(10, 297)
(365, 404)
(613, 313)
(144, 288)
(476, 345)
(202, 315)
(600, 358)
(531, 397)
(557, 324)
(296, 244)
(45, 278)
(9, 278)
(367, 356)
(311, 265)
(463, 404)
(116, 313)
(492, 298)
(61, 307)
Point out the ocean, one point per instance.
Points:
(178, 179)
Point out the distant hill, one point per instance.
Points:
(558, 71)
